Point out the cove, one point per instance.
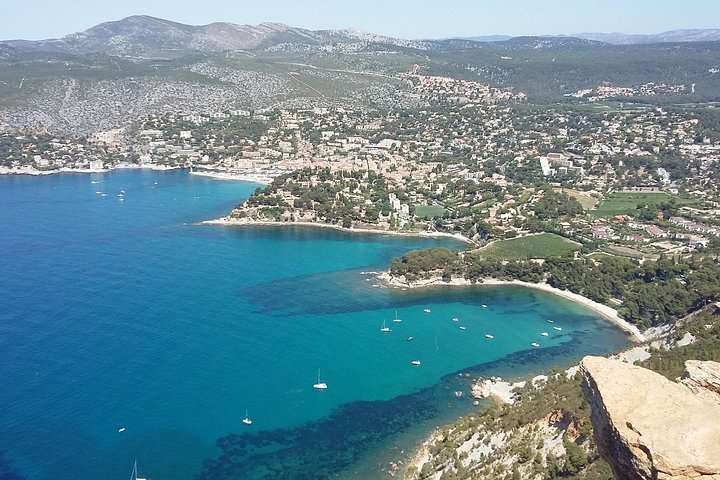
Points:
(127, 314)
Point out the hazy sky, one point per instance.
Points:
(37, 19)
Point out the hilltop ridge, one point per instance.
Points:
(146, 35)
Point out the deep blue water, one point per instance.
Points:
(128, 314)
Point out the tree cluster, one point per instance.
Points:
(654, 293)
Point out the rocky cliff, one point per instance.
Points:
(703, 378)
(648, 427)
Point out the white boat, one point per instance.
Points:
(410, 339)
(415, 362)
(121, 429)
(484, 306)
(544, 334)
(247, 420)
(427, 310)
(134, 474)
(455, 319)
(487, 335)
(557, 328)
(320, 385)
(384, 329)
(397, 320)
(535, 344)
(461, 327)
(549, 321)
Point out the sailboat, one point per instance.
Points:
(134, 474)
(247, 420)
(320, 385)
(397, 320)
(384, 328)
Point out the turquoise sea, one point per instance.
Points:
(128, 315)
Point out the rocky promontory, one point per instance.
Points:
(648, 427)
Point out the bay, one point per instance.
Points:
(117, 310)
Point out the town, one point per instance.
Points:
(470, 159)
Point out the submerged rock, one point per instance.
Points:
(648, 427)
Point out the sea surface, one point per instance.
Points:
(129, 332)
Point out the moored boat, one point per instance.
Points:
(134, 474)
(320, 385)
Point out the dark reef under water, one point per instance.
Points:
(327, 447)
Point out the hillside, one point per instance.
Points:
(145, 36)
(115, 72)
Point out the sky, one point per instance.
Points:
(412, 19)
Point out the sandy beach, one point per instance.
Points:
(260, 178)
(605, 311)
(372, 231)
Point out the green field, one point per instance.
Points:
(429, 211)
(586, 201)
(543, 245)
(625, 203)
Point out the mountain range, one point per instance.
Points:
(149, 36)
(142, 35)
(116, 72)
(617, 38)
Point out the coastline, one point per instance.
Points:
(422, 454)
(605, 311)
(37, 173)
(226, 221)
(238, 177)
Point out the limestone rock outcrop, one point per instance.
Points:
(648, 427)
(703, 378)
